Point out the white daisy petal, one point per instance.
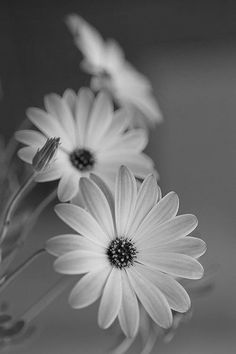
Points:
(82, 222)
(27, 153)
(58, 108)
(129, 310)
(119, 124)
(175, 294)
(79, 262)
(70, 97)
(191, 246)
(48, 125)
(51, 173)
(178, 265)
(164, 210)
(82, 110)
(167, 207)
(111, 299)
(106, 191)
(30, 137)
(62, 244)
(133, 140)
(68, 186)
(89, 288)
(87, 39)
(151, 298)
(100, 119)
(97, 205)
(125, 199)
(140, 164)
(173, 229)
(147, 197)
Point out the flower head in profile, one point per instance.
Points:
(131, 248)
(106, 62)
(93, 138)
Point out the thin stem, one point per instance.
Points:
(29, 226)
(45, 300)
(12, 205)
(14, 273)
(34, 217)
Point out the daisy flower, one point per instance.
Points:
(131, 248)
(106, 62)
(93, 138)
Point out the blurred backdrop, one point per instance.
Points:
(188, 50)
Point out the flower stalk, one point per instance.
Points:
(12, 206)
(8, 278)
(34, 310)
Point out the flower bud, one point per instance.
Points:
(45, 155)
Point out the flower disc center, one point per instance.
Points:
(82, 159)
(121, 252)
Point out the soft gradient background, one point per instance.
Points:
(188, 50)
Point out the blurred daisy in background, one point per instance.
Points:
(132, 247)
(106, 62)
(93, 138)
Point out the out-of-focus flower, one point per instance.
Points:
(105, 60)
(45, 155)
(132, 247)
(92, 139)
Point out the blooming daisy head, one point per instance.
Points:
(106, 62)
(132, 248)
(93, 138)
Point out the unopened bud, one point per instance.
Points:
(46, 154)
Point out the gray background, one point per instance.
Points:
(188, 50)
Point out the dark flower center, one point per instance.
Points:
(82, 159)
(121, 252)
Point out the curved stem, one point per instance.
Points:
(30, 225)
(13, 274)
(34, 217)
(12, 205)
(30, 314)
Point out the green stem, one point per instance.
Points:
(8, 278)
(12, 205)
(30, 314)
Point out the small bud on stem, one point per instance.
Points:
(46, 154)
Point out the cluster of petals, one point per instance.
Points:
(149, 223)
(91, 132)
(106, 62)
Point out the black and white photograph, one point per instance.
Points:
(117, 177)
